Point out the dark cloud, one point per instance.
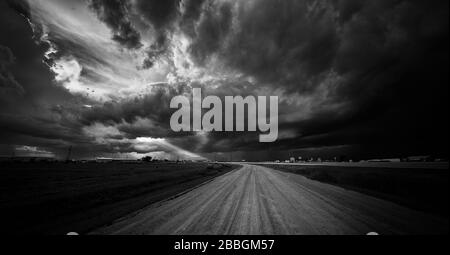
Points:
(8, 84)
(114, 13)
(212, 30)
(22, 58)
(382, 61)
(20, 6)
(160, 13)
(295, 44)
(164, 16)
(154, 107)
(192, 10)
(371, 75)
(156, 50)
(31, 117)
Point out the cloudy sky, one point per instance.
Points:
(366, 79)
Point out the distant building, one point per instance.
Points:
(107, 160)
(103, 160)
(419, 159)
(385, 160)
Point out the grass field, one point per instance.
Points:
(57, 198)
(422, 189)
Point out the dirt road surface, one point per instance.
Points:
(258, 200)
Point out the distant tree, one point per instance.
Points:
(147, 159)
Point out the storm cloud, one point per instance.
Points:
(362, 78)
(115, 14)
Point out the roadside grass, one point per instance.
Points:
(426, 190)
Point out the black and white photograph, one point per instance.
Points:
(244, 119)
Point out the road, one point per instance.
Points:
(258, 200)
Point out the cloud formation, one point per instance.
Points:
(8, 83)
(115, 13)
(352, 76)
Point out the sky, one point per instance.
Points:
(361, 79)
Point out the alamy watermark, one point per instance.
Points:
(234, 111)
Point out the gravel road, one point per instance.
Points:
(259, 200)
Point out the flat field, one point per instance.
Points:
(57, 198)
(422, 187)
